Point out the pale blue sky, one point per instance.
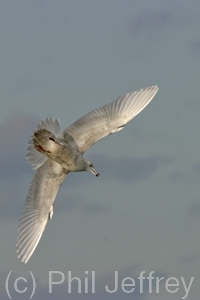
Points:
(64, 58)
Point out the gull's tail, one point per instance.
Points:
(37, 150)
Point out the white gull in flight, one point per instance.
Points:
(53, 155)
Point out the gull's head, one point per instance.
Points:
(90, 168)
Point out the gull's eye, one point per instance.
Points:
(51, 139)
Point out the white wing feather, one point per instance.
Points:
(108, 119)
(38, 207)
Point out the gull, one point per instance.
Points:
(54, 155)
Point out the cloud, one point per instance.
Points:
(194, 210)
(14, 136)
(10, 202)
(27, 84)
(130, 169)
(94, 208)
(195, 45)
(196, 167)
(194, 49)
(190, 258)
(151, 22)
(72, 201)
(179, 176)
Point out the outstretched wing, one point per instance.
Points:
(38, 207)
(108, 119)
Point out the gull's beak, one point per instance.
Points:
(93, 171)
